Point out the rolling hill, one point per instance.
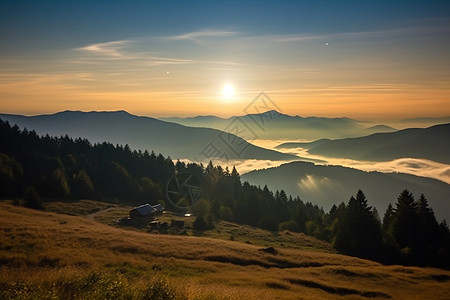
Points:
(431, 143)
(47, 255)
(120, 127)
(273, 125)
(328, 185)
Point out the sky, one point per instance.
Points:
(372, 60)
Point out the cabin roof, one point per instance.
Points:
(146, 209)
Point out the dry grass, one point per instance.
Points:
(49, 255)
(76, 208)
(224, 230)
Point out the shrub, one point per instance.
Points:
(268, 222)
(159, 289)
(200, 223)
(226, 213)
(32, 199)
(289, 225)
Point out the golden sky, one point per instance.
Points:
(366, 62)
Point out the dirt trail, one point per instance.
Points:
(93, 215)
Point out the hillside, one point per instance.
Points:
(120, 127)
(430, 143)
(328, 185)
(273, 125)
(47, 255)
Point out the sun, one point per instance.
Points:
(227, 91)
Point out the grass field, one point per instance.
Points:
(46, 255)
(110, 214)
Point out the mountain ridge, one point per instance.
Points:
(430, 143)
(139, 132)
(327, 185)
(276, 125)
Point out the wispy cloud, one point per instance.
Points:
(120, 50)
(114, 49)
(420, 27)
(223, 62)
(158, 61)
(198, 35)
(297, 38)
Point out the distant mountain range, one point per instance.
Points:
(431, 143)
(272, 125)
(440, 120)
(120, 127)
(328, 185)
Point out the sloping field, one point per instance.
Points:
(50, 255)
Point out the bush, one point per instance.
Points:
(225, 213)
(159, 290)
(268, 222)
(289, 225)
(31, 199)
(93, 286)
(201, 208)
(200, 223)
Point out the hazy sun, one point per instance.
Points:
(227, 91)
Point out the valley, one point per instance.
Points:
(221, 150)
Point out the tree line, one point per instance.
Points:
(34, 167)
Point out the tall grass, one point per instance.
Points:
(45, 255)
(70, 283)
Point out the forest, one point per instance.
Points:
(37, 168)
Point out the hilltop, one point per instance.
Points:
(61, 255)
(326, 185)
(145, 133)
(274, 125)
(430, 143)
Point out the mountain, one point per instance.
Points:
(305, 145)
(120, 127)
(272, 125)
(431, 143)
(379, 128)
(424, 122)
(328, 185)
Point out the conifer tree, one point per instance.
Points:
(387, 218)
(426, 215)
(427, 233)
(359, 233)
(404, 223)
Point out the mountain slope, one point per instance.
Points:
(275, 125)
(174, 140)
(46, 254)
(430, 143)
(328, 185)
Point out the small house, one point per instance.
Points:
(141, 215)
(159, 209)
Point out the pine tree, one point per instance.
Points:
(404, 224)
(82, 186)
(387, 218)
(426, 215)
(300, 219)
(359, 233)
(427, 235)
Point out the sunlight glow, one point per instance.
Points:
(227, 91)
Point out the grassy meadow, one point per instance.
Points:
(49, 255)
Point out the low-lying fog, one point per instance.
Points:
(414, 166)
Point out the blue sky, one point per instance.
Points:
(368, 59)
(39, 24)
